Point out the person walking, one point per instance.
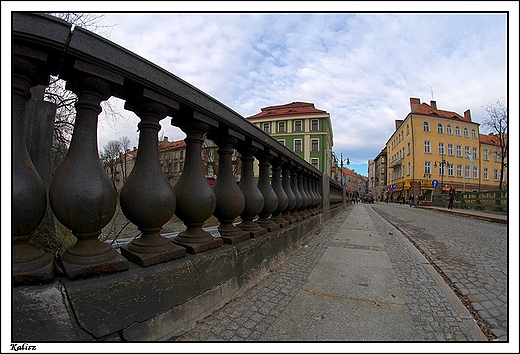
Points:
(451, 198)
(410, 199)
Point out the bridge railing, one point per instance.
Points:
(81, 195)
(487, 201)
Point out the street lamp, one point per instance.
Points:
(442, 164)
(347, 161)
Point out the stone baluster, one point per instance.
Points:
(29, 199)
(147, 198)
(305, 199)
(283, 200)
(253, 196)
(230, 199)
(81, 195)
(315, 181)
(298, 195)
(287, 214)
(270, 197)
(196, 200)
(312, 197)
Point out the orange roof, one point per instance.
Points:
(490, 139)
(289, 109)
(172, 145)
(427, 110)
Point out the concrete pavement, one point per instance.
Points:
(358, 280)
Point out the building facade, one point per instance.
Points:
(301, 128)
(430, 150)
(377, 176)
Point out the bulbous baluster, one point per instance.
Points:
(196, 200)
(287, 214)
(253, 196)
(28, 193)
(147, 198)
(230, 199)
(283, 200)
(305, 196)
(308, 188)
(270, 197)
(299, 199)
(81, 195)
(315, 180)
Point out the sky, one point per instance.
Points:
(361, 67)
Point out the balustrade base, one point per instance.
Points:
(159, 256)
(38, 271)
(200, 247)
(115, 265)
(234, 239)
(280, 221)
(268, 224)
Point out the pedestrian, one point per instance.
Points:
(451, 197)
(410, 199)
(386, 198)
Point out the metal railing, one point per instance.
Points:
(81, 195)
(488, 201)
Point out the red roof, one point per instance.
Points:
(427, 110)
(490, 139)
(172, 145)
(289, 109)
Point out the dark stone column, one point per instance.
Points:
(28, 192)
(230, 199)
(81, 194)
(270, 197)
(147, 198)
(299, 198)
(305, 196)
(283, 200)
(253, 196)
(196, 200)
(287, 214)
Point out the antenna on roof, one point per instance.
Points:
(431, 89)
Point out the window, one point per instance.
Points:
(459, 150)
(440, 128)
(448, 130)
(426, 127)
(473, 134)
(408, 148)
(459, 170)
(297, 144)
(450, 149)
(427, 167)
(267, 128)
(281, 127)
(495, 175)
(486, 155)
(442, 170)
(457, 131)
(466, 174)
(314, 124)
(298, 126)
(466, 134)
(427, 148)
(407, 129)
(450, 169)
(314, 145)
(441, 148)
(466, 150)
(475, 173)
(495, 156)
(486, 177)
(475, 154)
(282, 142)
(314, 162)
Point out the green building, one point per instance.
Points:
(302, 128)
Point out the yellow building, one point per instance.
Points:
(432, 149)
(490, 163)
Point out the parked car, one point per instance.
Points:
(369, 198)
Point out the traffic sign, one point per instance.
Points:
(435, 183)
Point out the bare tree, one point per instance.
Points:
(125, 146)
(496, 123)
(110, 156)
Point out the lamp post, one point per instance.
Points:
(442, 164)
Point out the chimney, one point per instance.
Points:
(165, 139)
(433, 104)
(467, 115)
(414, 104)
(398, 123)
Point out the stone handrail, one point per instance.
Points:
(81, 195)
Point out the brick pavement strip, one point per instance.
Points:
(270, 296)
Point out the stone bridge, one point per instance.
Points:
(157, 285)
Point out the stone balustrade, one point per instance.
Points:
(81, 195)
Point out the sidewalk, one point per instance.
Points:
(500, 218)
(359, 280)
